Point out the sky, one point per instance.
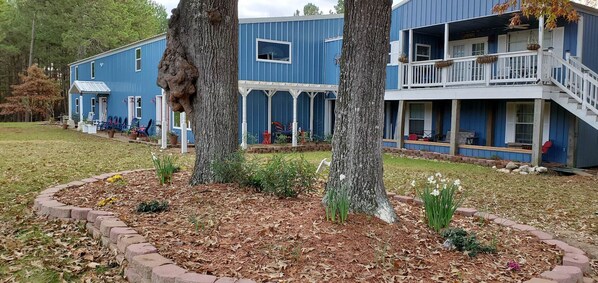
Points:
(269, 8)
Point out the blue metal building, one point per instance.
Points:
(459, 81)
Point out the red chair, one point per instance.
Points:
(547, 145)
(266, 138)
(412, 137)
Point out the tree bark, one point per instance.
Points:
(199, 72)
(357, 142)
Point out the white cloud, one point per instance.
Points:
(268, 8)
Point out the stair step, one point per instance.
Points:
(572, 100)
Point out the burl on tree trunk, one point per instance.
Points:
(199, 74)
(357, 142)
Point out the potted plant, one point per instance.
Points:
(173, 138)
(403, 58)
(85, 126)
(532, 43)
(65, 125)
(111, 132)
(132, 133)
(486, 59)
(443, 64)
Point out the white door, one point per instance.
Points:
(158, 110)
(131, 109)
(103, 109)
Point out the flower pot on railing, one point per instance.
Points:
(403, 59)
(486, 59)
(533, 46)
(443, 64)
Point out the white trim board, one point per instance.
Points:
(472, 92)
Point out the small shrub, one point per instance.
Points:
(328, 138)
(440, 200)
(115, 179)
(251, 139)
(165, 167)
(106, 201)
(280, 139)
(286, 177)
(153, 206)
(233, 169)
(466, 242)
(337, 204)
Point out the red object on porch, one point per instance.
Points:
(266, 138)
(412, 137)
(547, 145)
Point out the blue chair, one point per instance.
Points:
(144, 131)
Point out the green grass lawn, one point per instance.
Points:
(33, 157)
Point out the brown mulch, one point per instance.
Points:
(229, 231)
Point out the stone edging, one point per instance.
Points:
(145, 264)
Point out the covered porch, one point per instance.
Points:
(477, 52)
(99, 90)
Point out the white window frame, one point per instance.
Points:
(257, 44)
(159, 117)
(174, 126)
(468, 45)
(138, 59)
(76, 73)
(77, 105)
(427, 118)
(511, 117)
(420, 55)
(92, 103)
(394, 53)
(138, 108)
(93, 69)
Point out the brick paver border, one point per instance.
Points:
(145, 264)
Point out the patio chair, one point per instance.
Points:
(144, 131)
(105, 125)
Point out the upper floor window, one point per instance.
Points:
(273, 51)
(423, 52)
(76, 73)
(137, 59)
(93, 70)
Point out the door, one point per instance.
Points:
(158, 110)
(463, 71)
(103, 109)
(130, 109)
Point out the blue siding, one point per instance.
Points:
(560, 120)
(570, 40)
(431, 148)
(590, 41)
(488, 154)
(332, 71)
(587, 155)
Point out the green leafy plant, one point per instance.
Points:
(153, 206)
(328, 138)
(234, 168)
(280, 139)
(337, 204)
(440, 199)
(165, 167)
(466, 242)
(251, 139)
(286, 177)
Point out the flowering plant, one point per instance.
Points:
(115, 178)
(337, 203)
(165, 167)
(440, 200)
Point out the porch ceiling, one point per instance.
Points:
(278, 86)
(493, 23)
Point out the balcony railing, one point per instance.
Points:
(509, 68)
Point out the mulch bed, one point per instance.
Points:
(225, 230)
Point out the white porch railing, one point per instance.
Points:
(577, 81)
(509, 68)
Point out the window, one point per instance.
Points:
(137, 59)
(176, 121)
(77, 105)
(524, 123)
(76, 73)
(417, 113)
(93, 70)
(93, 105)
(478, 49)
(423, 52)
(138, 107)
(273, 51)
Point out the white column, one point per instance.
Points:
(164, 126)
(295, 94)
(70, 107)
(183, 121)
(244, 92)
(409, 70)
(446, 53)
(80, 112)
(269, 94)
(541, 43)
(312, 95)
(401, 51)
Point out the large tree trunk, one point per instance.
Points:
(357, 142)
(199, 72)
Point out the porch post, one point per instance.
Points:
(538, 131)
(183, 121)
(164, 126)
(541, 42)
(400, 125)
(70, 108)
(312, 95)
(295, 93)
(409, 67)
(244, 92)
(455, 120)
(269, 94)
(80, 112)
(446, 54)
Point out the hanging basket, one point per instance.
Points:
(486, 59)
(403, 59)
(533, 46)
(443, 64)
